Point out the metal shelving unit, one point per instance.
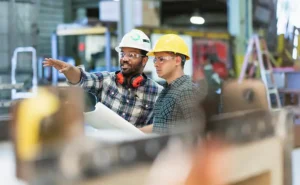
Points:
(80, 31)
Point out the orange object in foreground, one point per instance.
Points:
(208, 165)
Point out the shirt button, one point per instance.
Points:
(127, 101)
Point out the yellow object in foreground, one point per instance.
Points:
(29, 116)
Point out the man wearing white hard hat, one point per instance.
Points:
(128, 92)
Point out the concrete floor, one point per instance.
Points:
(7, 167)
(296, 167)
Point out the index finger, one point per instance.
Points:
(51, 62)
(47, 61)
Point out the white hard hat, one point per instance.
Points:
(135, 39)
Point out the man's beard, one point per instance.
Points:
(131, 70)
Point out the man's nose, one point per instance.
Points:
(125, 59)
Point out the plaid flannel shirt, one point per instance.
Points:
(134, 105)
(178, 105)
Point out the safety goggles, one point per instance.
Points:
(130, 55)
(162, 59)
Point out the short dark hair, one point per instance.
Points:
(183, 59)
(144, 53)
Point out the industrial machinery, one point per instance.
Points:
(84, 30)
(19, 87)
(33, 85)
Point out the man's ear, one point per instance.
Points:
(145, 60)
(178, 60)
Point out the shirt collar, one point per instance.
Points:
(178, 81)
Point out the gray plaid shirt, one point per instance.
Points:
(134, 105)
(178, 105)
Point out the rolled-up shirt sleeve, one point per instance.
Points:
(91, 82)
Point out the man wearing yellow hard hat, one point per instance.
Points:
(178, 103)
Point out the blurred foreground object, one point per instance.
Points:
(245, 145)
(249, 147)
(247, 95)
(206, 164)
(44, 123)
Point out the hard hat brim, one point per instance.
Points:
(152, 54)
(118, 48)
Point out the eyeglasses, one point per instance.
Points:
(162, 59)
(130, 55)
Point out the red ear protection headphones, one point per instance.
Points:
(135, 81)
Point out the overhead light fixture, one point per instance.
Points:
(197, 18)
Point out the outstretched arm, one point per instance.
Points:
(72, 73)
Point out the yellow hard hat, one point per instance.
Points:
(171, 43)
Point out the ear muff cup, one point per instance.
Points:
(120, 78)
(135, 81)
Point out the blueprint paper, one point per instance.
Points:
(104, 118)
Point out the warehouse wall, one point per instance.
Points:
(84, 4)
(27, 23)
(4, 48)
(4, 38)
(51, 13)
(18, 29)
